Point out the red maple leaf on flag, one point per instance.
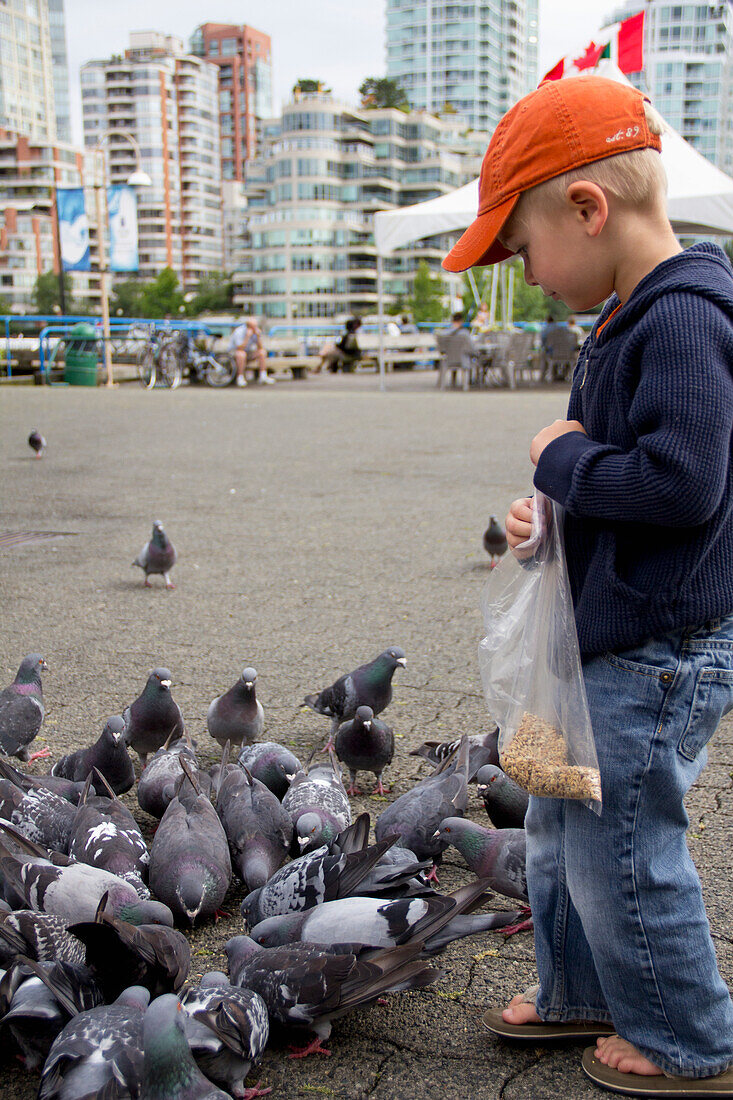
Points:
(589, 60)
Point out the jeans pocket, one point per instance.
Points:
(712, 698)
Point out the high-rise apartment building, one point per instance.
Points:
(60, 69)
(326, 168)
(688, 60)
(242, 55)
(168, 101)
(474, 58)
(26, 69)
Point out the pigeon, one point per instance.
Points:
(99, 1052)
(157, 556)
(169, 1071)
(227, 1029)
(162, 774)
(39, 936)
(415, 815)
(53, 883)
(69, 790)
(42, 816)
(482, 749)
(237, 715)
(273, 764)
(153, 717)
(365, 744)
(498, 856)
(505, 801)
(109, 754)
(190, 866)
(304, 985)
(105, 834)
(318, 805)
(36, 442)
(22, 710)
(369, 685)
(258, 828)
(397, 874)
(373, 922)
(494, 540)
(326, 874)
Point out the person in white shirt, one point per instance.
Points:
(245, 343)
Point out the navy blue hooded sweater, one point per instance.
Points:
(648, 492)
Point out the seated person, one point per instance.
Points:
(245, 344)
(407, 325)
(481, 320)
(345, 353)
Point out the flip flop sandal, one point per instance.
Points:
(493, 1020)
(638, 1084)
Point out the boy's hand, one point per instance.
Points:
(518, 523)
(552, 431)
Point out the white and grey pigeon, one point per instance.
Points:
(99, 1052)
(169, 1069)
(318, 805)
(154, 717)
(22, 710)
(483, 748)
(68, 789)
(42, 816)
(108, 754)
(36, 442)
(237, 715)
(227, 1029)
(39, 936)
(258, 828)
(157, 556)
(365, 743)
(369, 685)
(305, 986)
(162, 774)
(374, 922)
(105, 834)
(271, 763)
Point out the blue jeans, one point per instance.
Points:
(621, 933)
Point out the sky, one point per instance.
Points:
(338, 41)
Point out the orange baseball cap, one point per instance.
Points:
(563, 124)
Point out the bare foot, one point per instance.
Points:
(619, 1054)
(520, 1012)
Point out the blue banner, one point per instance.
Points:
(73, 229)
(122, 215)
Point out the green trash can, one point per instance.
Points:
(81, 359)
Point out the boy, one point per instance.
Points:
(245, 343)
(572, 182)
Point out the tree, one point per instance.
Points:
(126, 298)
(162, 296)
(380, 91)
(214, 294)
(306, 86)
(426, 302)
(46, 293)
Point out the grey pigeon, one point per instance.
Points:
(105, 834)
(39, 936)
(108, 753)
(67, 789)
(398, 873)
(53, 883)
(499, 856)
(42, 816)
(22, 710)
(169, 1070)
(505, 801)
(483, 749)
(415, 815)
(237, 715)
(227, 1029)
(162, 774)
(326, 874)
(318, 805)
(305, 986)
(365, 744)
(373, 922)
(369, 685)
(157, 556)
(495, 543)
(258, 828)
(36, 442)
(190, 867)
(273, 764)
(99, 1052)
(154, 717)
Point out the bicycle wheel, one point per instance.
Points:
(146, 367)
(170, 368)
(220, 372)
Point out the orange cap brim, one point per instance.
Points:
(478, 247)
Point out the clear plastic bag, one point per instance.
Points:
(531, 671)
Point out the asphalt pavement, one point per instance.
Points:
(316, 523)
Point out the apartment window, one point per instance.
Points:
(228, 47)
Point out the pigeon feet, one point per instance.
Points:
(40, 754)
(314, 1047)
(330, 744)
(525, 925)
(219, 914)
(379, 789)
(254, 1092)
(433, 876)
(147, 584)
(353, 790)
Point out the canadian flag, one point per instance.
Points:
(622, 43)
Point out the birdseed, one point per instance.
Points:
(536, 758)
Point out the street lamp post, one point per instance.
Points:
(137, 179)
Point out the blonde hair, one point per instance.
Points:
(636, 179)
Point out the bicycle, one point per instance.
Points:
(201, 366)
(157, 361)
